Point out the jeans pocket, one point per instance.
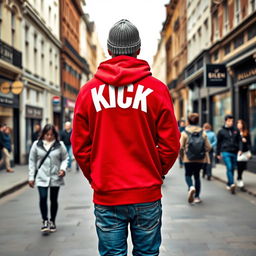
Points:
(149, 215)
(106, 218)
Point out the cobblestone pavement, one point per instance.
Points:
(222, 225)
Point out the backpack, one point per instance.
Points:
(195, 149)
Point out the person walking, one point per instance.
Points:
(182, 126)
(228, 145)
(194, 148)
(207, 169)
(36, 133)
(245, 154)
(65, 137)
(47, 166)
(7, 148)
(125, 138)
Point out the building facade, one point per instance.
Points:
(73, 65)
(41, 68)
(174, 33)
(11, 86)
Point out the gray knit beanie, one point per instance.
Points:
(123, 38)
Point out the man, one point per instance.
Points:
(182, 127)
(65, 137)
(194, 148)
(36, 133)
(228, 145)
(125, 138)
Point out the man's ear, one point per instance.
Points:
(110, 53)
(138, 52)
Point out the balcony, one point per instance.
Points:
(11, 55)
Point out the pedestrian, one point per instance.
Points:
(36, 133)
(47, 166)
(125, 138)
(1, 144)
(65, 137)
(7, 147)
(245, 154)
(228, 145)
(182, 126)
(207, 169)
(194, 147)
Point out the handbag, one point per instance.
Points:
(244, 157)
(42, 161)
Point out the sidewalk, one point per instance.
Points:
(249, 178)
(10, 182)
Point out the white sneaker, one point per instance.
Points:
(228, 187)
(197, 200)
(240, 183)
(233, 189)
(191, 193)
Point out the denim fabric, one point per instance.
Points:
(230, 162)
(69, 150)
(145, 225)
(193, 169)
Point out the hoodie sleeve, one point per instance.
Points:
(32, 161)
(80, 138)
(168, 134)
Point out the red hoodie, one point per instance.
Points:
(125, 135)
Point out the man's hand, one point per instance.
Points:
(219, 157)
(31, 183)
(61, 173)
(240, 152)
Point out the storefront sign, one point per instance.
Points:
(247, 74)
(5, 87)
(216, 75)
(4, 100)
(34, 112)
(56, 100)
(70, 104)
(17, 87)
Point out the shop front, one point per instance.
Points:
(34, 115)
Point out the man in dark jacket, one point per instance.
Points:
(125, 138)
(228, 145)
(65, 137)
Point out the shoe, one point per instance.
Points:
(10, 170)
(233, 189)
(52, 226)
(45, 227)
(240, 183)
(191, 193)
(197, 200)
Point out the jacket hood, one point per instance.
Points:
(122, 70)
(193, 128)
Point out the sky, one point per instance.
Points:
(146, 15)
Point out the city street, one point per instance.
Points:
(222, 225)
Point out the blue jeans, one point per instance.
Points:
(230, 162)
(145, 224)
(69, 150)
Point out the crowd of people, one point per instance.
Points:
(200, 147)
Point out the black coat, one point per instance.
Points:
(228, 140)
(65, 137)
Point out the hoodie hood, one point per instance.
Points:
(122, 70)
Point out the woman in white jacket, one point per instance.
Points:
(47, 173)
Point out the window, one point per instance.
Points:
(35, 54)
(216, 26)
(237, 11)
(28, 93)
(216, 55)
(253, 5)
(37, 96)
(226, 17)
(239, 40)
(1, 5)
(251, 32)
(42, 58)
(50, 14)
(227, 49)
(13, 24)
